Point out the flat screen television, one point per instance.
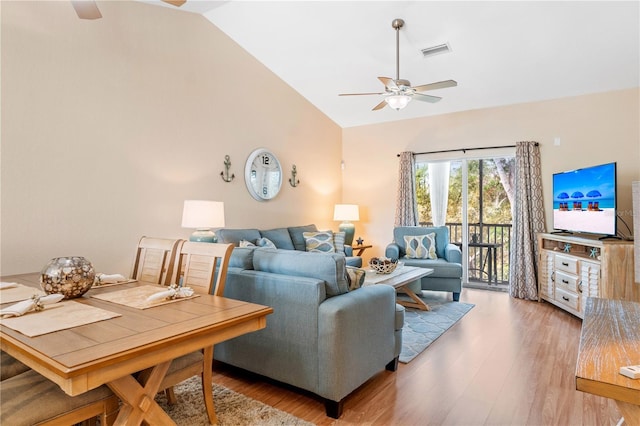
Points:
(584, 200)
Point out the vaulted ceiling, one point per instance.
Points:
(502, 52)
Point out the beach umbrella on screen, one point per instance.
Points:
(577, 204)
(577, 194)
(594, 194)
(563, 196)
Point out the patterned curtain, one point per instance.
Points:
(406, 206)
(528, 220)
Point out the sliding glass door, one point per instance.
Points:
(478, 204)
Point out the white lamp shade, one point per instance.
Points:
(397, 102)
(199, 214)
(346, 212)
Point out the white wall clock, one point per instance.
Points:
(263, 174)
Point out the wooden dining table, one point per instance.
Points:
(109, 352)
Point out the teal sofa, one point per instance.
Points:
(290, 238)
(447, 268)
(321, 337)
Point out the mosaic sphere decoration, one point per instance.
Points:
(70, 276)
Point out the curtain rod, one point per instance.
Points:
(464, 150)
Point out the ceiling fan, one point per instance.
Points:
(398, 93)
(88, 9)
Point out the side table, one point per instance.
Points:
(361, 249)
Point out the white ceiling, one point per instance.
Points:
(503, 52)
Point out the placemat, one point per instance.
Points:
(136, 297)
(56, 317)
(16, 294)
(96, 285)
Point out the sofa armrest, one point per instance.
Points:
(452, 253)
(356, 338)
(392, 251)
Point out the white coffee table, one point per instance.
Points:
(399, 279)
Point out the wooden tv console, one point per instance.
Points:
(572, 268)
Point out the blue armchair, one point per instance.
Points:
(447, 268)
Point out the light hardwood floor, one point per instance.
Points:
(507, 362)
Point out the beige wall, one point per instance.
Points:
(108, 125)
(593, 129)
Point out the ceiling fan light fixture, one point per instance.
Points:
(397, 102)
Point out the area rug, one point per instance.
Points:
(232, 408)
(421, 328)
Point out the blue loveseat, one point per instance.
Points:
(290, 238)
(447, 268)
(321, 337)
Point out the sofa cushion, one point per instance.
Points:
(266, 243)
(280, 237)
(338, 241)
(226, 235)
(327, 267)
(355, 277)
(319, 242)
(242, 257)
(421, 246)
(295, 232)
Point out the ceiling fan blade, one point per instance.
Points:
(360, 94)
(426, 98)
(388, 82)
(176, 3)
(379, 106)
(86, 9)
(434, 86)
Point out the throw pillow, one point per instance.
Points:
(319, 241)
(421, 246)
(338, 242)
(265, 242)
(355, 277)
(245, 243)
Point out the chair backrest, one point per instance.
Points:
(198, 265)
(154, 260)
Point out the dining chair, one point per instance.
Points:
(154, 260)
(31, 399)
(9, 366)
(203, 267)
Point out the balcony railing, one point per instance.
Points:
(492, 240)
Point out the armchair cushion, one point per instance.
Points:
(421, 246)
(442, 237)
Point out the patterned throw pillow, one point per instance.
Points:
(338, 242)
(265, 242)
(355, 277)
(245, 243)
(421, 246)
(319, 241)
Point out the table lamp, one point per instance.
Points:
(346, 213)
(203, 215)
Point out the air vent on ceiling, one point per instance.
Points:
(436, 50)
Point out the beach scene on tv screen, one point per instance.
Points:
(584, 200)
